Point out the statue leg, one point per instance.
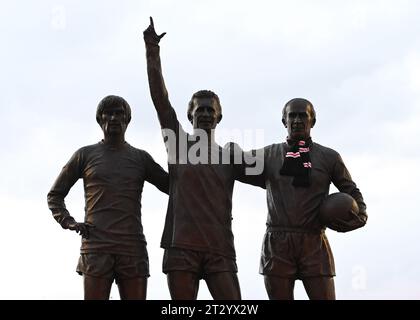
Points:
(223, 286)
(183, 285)
(133, 289)
(279, 288)
(320, 288)
(97, 288)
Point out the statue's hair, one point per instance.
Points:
(112, 100)
(203, 94)
(302, 101)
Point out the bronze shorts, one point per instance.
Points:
(201, 263)
(113, 266)
(296, 255)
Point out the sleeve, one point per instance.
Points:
(249, 165)
(344, 183)
(68, 176)
(156, 175)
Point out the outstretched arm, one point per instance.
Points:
(154, 71)
(156, 175)
(249, 166)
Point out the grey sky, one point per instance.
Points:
(357, 61)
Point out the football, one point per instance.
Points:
(340, 212)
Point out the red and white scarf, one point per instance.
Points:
(297, 162)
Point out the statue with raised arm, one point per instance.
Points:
(197, 236)
(113, 172)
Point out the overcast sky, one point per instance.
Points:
(357, 61)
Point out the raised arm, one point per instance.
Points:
(154, 71)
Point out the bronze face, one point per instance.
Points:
(113, 120)
(298, 120)
(205, 113)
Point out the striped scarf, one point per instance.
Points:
(297, 162)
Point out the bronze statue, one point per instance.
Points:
(297, 176)
(113, 244)
(197, 237)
